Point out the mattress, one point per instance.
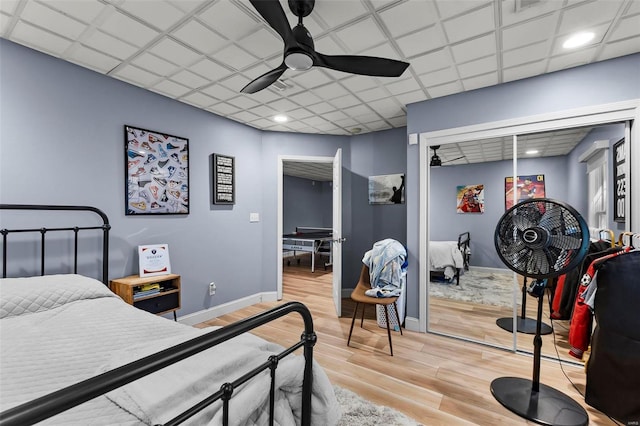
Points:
(61, 329)
(445, 256)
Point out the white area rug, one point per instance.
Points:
(357, 411)
(488, 287)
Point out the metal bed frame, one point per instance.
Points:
(56, 402)
(464, 242)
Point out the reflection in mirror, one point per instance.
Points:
(476, 173)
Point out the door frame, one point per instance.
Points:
(591, 115)
(280, 216)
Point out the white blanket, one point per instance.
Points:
(445, 255)
(58, 330)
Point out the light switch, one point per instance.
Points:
(254, 217)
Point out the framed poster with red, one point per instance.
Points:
(527, 187)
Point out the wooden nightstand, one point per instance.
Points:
(165, 301)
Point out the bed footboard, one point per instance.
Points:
(64, 399)
(464, 244)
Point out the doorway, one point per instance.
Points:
(309, 219)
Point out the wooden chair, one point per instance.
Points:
(358, 296)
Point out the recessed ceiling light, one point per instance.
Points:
(280, 119)
(531, 152)
(578, 39)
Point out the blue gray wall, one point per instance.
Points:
(446, 224)
(306, 203)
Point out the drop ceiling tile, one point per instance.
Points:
(347, 122)
(161, 15)
(470, 25)
(314, 121)
(588, 14)
(571, 60)
(305, 98)
(358, 83)
(39, 39)
(262, 43)
(384, 50)
(210, 69)
(335, 13)
(448, 8)
(526, 54)
(523, 71)
(294, 125)
(345, 101)
(175, 52)
(422, 41)
(52, 20)
(219, 92)
(627, 27)
(445, 89)
(9, 6)
(229, 20)
(243, 102)
(528, 32)
(170, 88)
(189, 79)
(5, 20)
(361, 35)
(378, 125)
(283, 105)
(262, 123)
(334, 115)
(398, 121)
(199, 37)
(243, 116)
(264, 111)
(256, 71)
(187, 5)
(265, 96)
(309, 79)
(223, 109)
(357, 110)
(620, 48)
(411, 97)
(92, 59)
(432, 61)
(480, 81)
(199, 99)
(109, 45)
(402, 86)
(478, 67)
(328, 46)
(154, 64)
(321, 108)
(137, 76)
(235, 57)
(599, 33)
(86, 10)
(474, 49)
(331, 91)
(125, 28)
(409, 16)
(300, 113)
(439, 77)
(386, 107)
(372, 94)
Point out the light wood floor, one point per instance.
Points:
(433, 379)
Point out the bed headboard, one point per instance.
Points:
(105, 227)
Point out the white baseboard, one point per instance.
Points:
(411, 324)
(225, 308)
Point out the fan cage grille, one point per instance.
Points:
(541, 238)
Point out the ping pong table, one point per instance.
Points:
(311, 240)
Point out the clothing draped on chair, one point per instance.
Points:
(386, 262)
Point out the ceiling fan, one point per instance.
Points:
(299, 51)
(436, 161)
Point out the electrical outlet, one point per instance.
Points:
(212, 288)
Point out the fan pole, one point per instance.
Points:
(524, 324)
(535, 401)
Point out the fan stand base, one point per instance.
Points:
(547, 406)
(525, 325)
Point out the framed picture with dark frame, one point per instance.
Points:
(224, 179)
(156, 172)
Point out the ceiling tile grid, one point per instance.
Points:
(204, 52)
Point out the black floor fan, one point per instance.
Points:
(540, 239)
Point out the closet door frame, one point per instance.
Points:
(628, 111)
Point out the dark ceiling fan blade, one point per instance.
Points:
(363, 65)
(272, 12)
(264, 80)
